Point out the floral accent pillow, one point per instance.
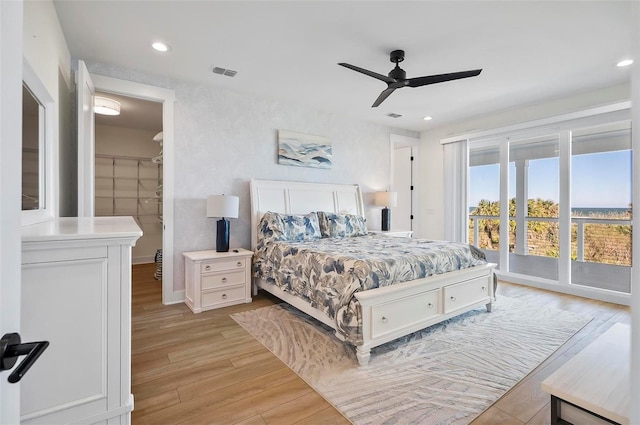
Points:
(288, 227)
(334, 225)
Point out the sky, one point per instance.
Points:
(600, 180)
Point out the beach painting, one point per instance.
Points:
(303, 150)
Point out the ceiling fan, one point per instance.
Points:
(397, 78)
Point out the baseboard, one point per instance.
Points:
(143, 260)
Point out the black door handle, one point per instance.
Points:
(11, 349)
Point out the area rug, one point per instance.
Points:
(446, 374)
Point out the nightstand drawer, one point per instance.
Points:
(223, 279)
(220, 265)
(223, 296)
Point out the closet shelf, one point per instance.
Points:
(139, 198)
(120, 169)
(140, 179)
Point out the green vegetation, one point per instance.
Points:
(603, 243)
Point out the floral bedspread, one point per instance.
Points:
(327, 272)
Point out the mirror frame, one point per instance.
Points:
(48, 159)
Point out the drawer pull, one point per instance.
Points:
(207, 268)
(430, 305)
(239, 264)
(224, 296)
(224, 279)
(484, 288)
(453, 298)
(384, 319)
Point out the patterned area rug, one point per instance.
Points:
(446, 374)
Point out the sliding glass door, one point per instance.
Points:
(534, 201)
(555, 208)
(484, 199)
(601, 207)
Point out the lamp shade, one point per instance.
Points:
(222, 206)
(106, 106)
(386, 199)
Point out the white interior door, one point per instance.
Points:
(402, 184)
(86, 143)
(10, 188)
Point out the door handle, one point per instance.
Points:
(11, 348)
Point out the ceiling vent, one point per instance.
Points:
(393, 115)
(222, 71)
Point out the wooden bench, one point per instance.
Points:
(593, 387)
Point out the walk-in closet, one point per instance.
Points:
(128, 170)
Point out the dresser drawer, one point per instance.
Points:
(210, 281)
(221, 265)
(466, 293)
(221, 296)
(404, 312)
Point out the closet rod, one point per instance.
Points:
(137, 158)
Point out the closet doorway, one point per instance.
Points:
(87, 85)
(129, 170)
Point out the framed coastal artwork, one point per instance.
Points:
(304, 150)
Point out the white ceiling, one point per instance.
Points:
(529, 51)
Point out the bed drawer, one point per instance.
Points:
(394, 315)
(221, 265)
(466, 293)
(210, 281)
(223, 296)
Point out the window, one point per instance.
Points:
(551, 204)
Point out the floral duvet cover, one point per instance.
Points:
(327, 272)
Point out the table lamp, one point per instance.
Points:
(386, 200)
(223, 207)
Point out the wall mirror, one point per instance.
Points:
(39, 152)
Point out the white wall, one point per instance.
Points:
(431, 152)
(225, 138)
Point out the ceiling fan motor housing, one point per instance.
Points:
(397, 73)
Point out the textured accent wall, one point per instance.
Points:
(224, 138)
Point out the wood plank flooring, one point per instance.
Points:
(205, 369)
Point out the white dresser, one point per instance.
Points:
(217, 279)
(76, 294)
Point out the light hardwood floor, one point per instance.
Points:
(205, 369)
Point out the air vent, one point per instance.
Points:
(393, 115)
(223, 71)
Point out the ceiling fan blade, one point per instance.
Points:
(441, 78)
(381, 77)
(385, 94)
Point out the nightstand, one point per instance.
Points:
(217, 279)
(393, 233)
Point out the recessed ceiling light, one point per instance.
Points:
(160, 46)
(427, 118)
(625, 62)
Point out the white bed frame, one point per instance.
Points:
(388, 312)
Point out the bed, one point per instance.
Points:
(405, 286)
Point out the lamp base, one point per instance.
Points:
(222, 236)
(386, 219)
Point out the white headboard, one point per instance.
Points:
(301, 198)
